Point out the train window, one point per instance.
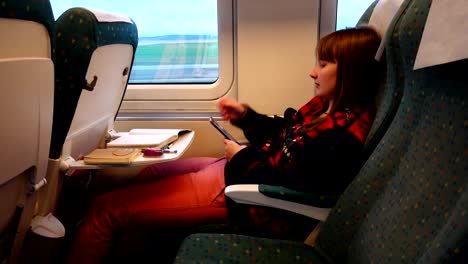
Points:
(349, 12)
(185, 49)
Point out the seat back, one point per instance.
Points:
(26, 104)
(30, 20)
(408, 203)
(388, 97)
(94, 56)
(95, 52)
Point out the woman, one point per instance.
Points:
(312, 149)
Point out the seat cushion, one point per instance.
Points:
(231, 248)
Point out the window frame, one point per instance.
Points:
(328, 16)
(182, 96)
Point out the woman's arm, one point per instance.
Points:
(258, 128)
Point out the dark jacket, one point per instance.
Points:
(281, 152)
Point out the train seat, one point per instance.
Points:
(95, 52)
(94, 56)
(26, 105)
(408, 202)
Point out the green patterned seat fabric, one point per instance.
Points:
(232, 248)
(79, 33)
(37, 11)
(409, 202)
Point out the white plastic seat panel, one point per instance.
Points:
(96, 109)
(28, 83)
(17, 42)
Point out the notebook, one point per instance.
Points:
(112, 156)
(147, 138)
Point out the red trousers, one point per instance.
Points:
(168, 196)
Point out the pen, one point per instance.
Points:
(169, 150)
(156, 152)
(168, 146)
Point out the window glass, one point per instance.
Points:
(349, 12)
(178, 39)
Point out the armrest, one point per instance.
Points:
(313, 199)
(250, 194)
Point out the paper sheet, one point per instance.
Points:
(445, 34)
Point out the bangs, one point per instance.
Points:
(326, 48)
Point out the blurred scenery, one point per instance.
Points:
(178, 39)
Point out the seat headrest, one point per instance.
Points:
(36, 11)
(444, 36)
(382, 15)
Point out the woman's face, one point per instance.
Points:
(324, 75)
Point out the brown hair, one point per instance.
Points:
(358, 73)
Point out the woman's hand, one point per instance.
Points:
(231, 109)
(231, 148)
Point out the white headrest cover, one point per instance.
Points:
(102, 16)
(445, 34)
(382, 15)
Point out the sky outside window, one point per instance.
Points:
(156, 17)
(350, 11)
(178, 39)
